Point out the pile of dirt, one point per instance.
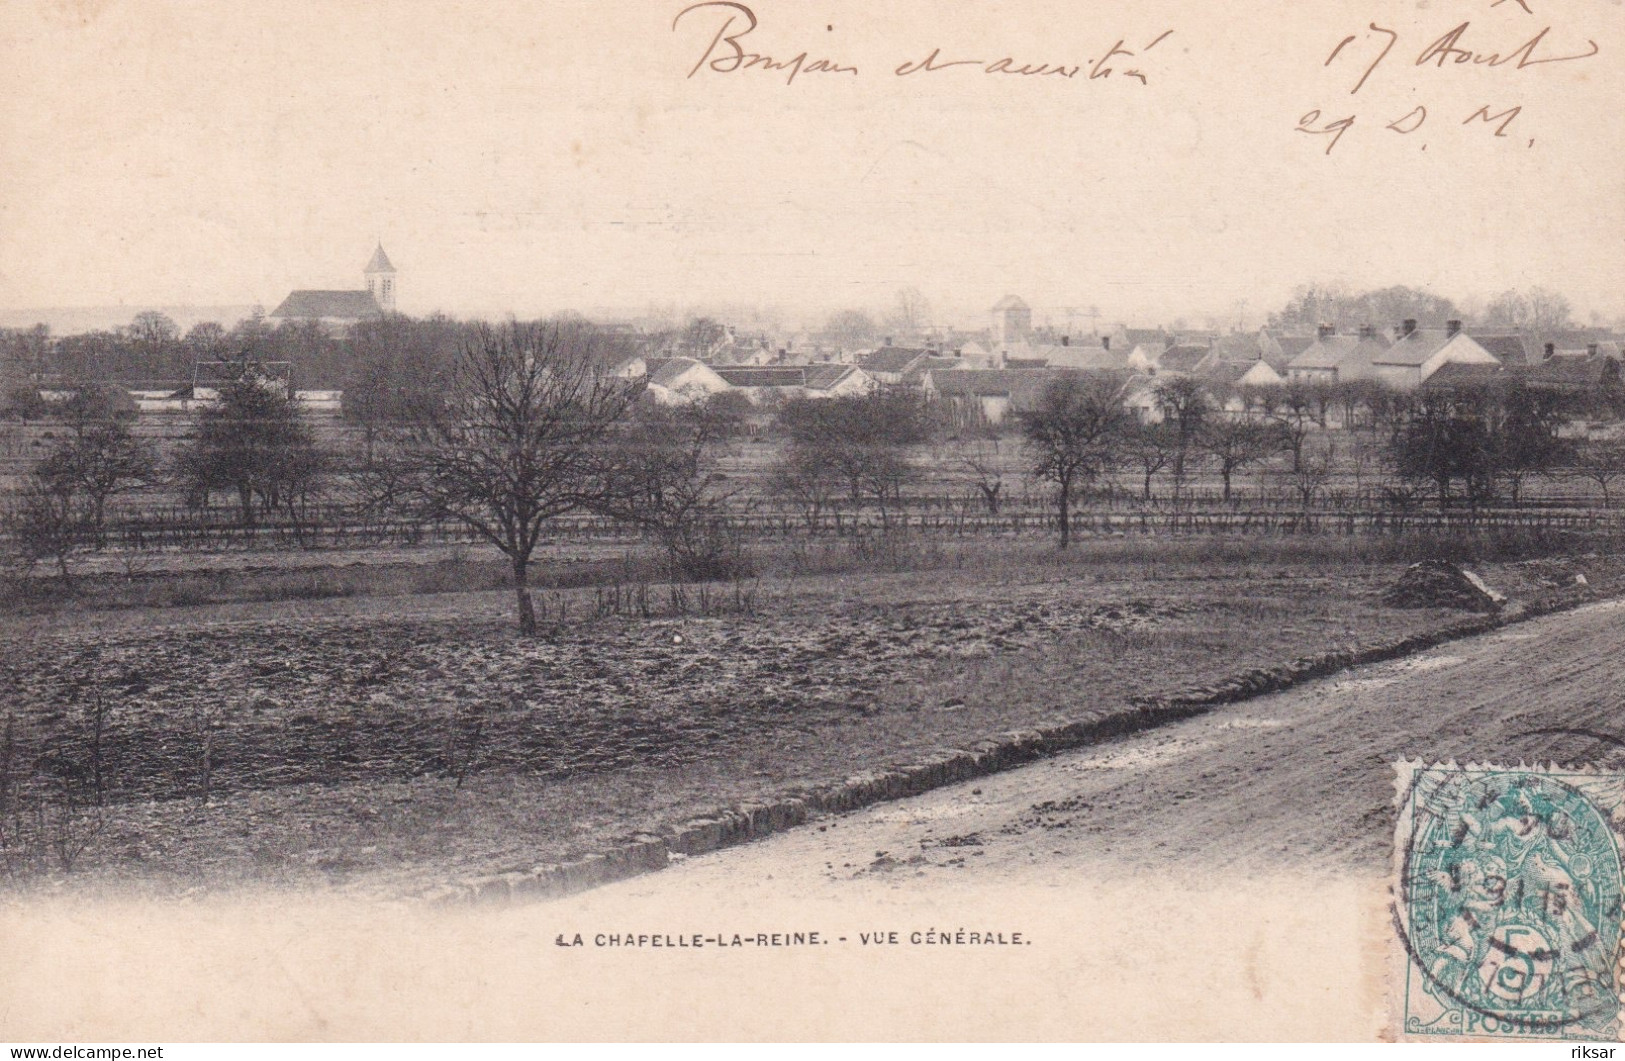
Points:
(1441, 584)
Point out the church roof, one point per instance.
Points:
(317, 305)
(1008, 302)
(379, 262)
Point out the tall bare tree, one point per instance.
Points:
(660, 473)
(513, 440)
(1234, 443)
(1072, 437)
(1185, 406)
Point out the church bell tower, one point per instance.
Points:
(381, 280)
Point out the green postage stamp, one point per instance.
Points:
(1507, 902)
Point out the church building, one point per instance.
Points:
(340, 309)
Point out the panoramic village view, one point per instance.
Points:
(335, 597)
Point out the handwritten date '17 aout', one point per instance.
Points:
(1457, 47)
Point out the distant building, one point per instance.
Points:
(1417, 353)
(821, 380)
(675, 380)
(1012, 321)
(341, 309)
(890, 364)
(1334, 358)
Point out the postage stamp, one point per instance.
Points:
(1507, 901)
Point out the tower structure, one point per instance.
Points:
(380, 276)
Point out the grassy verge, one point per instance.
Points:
(114, 583)
(363, 750)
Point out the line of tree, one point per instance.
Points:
(1474, 444)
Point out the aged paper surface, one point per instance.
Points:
(530, 157)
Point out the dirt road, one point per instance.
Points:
(1300, 780)
(1224, 878)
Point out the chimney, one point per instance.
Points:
(888, 340)
(1367, 332)
(1105, 342)
(1551, 348)
(1326, 331)
(1066, 340)
(1452, 328)
(1408, 327)
(1591, 350)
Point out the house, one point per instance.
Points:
(1567, 374)
(824, 380)
(935, 363)
(1231, 374)
(1507, 349)
(1334, 358)
(674, 380)
(992, 393)
(1140, 398)
(1130, 339)
(1090, 355)
(1417, 353)
(337, 310)
(889, 364)
(831, 380)
(1279, 350)
(1012, 321)
(1238, 346)
(1179, 359)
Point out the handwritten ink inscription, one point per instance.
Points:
(726, 51)
(728, 39)
(1463, 45)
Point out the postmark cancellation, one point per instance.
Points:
(1507, 902)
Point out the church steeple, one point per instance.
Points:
(381, 280)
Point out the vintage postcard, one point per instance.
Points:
(538, 520)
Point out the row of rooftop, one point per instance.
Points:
(1007, 369)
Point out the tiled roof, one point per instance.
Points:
(315, 305)
(1457, 374)
(1293, 345)
(991, 382)
(892, 359)
(1181, 358)
(1087, 356)
(935, 364)
(1217, 371)
(1414, 349)
(1507, 349)
(776, 376)
(1023, 386)
(665, 371)
(1563, 374)
(822, 377)
(1326, 353)
(1237, 346)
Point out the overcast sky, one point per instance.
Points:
(536, 155)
